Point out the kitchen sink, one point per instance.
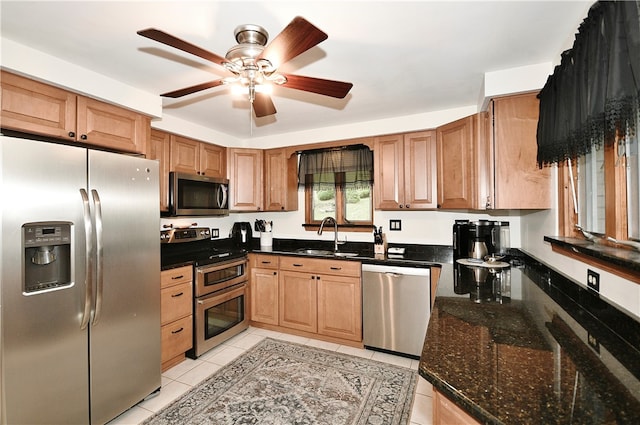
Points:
(345, 254)
(312, 251)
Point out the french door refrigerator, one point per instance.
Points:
(80, 291)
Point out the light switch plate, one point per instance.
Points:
(215, 233)
(395, 225)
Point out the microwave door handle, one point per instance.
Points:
(99, 256)
(88, 232)
(222, 189)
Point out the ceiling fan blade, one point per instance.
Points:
(331, 88)
(297, 37)
(263, 105)
(169, 40)
(192, 89)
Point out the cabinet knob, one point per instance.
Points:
(72, 134)
(275, 273)
(408, 206)
(83, 137)
(401, 206)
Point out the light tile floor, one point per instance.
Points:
(182, 377)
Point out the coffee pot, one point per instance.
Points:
(478, 248)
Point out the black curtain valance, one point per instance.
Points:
(348, 166)
(593, 96)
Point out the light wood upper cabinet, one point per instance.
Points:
(280, 180)
(458, 156)
(196, 157)
(213, 160)
(245, 179)
(420, 173)
(519, 183)
(488, 160)
(160, 149)
(37, 108)
(389, 176)
(405, 167)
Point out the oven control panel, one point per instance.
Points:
(185, 235)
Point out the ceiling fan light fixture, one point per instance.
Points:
(250, 33)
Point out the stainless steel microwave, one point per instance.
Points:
(191, 194)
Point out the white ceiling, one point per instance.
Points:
(403, 58)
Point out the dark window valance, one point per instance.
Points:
(349, 166)
(593, 96)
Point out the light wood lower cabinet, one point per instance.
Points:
(312, 296)
(263, 288)
(176, 314)
(446, 412)
(298, 301)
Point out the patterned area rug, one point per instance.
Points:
(281, 383)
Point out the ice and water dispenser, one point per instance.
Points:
(46, 261)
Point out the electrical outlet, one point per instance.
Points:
(215, 233)
(395, 225)
(593, 280)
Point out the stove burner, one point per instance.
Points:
(194, 246)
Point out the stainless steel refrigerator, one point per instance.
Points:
(80, 283)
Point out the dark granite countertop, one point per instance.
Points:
(414, 256)
(528, 345)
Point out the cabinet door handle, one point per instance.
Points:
(266, 262)
(177, 277)
(179, 294)
(297, 265)
(177, 331)
(336, 268)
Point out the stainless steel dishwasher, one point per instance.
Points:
(396, 305)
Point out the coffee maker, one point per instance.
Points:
(241, 235)
(476, 239)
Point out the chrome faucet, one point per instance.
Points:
(335, 231)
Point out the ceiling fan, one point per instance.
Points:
(254, 65)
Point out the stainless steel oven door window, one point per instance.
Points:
(219, 317)
(216, 277)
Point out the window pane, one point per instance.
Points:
(323, 203)
(591, 207)
(358, 204)
(633, 187)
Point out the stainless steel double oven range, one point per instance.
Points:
(220, 284)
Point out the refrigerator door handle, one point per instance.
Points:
(99, 256)
(88, 232)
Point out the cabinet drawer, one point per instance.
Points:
(264, 261)
(315, 265)
(176, 302)
(177, 338)
(175, 276)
